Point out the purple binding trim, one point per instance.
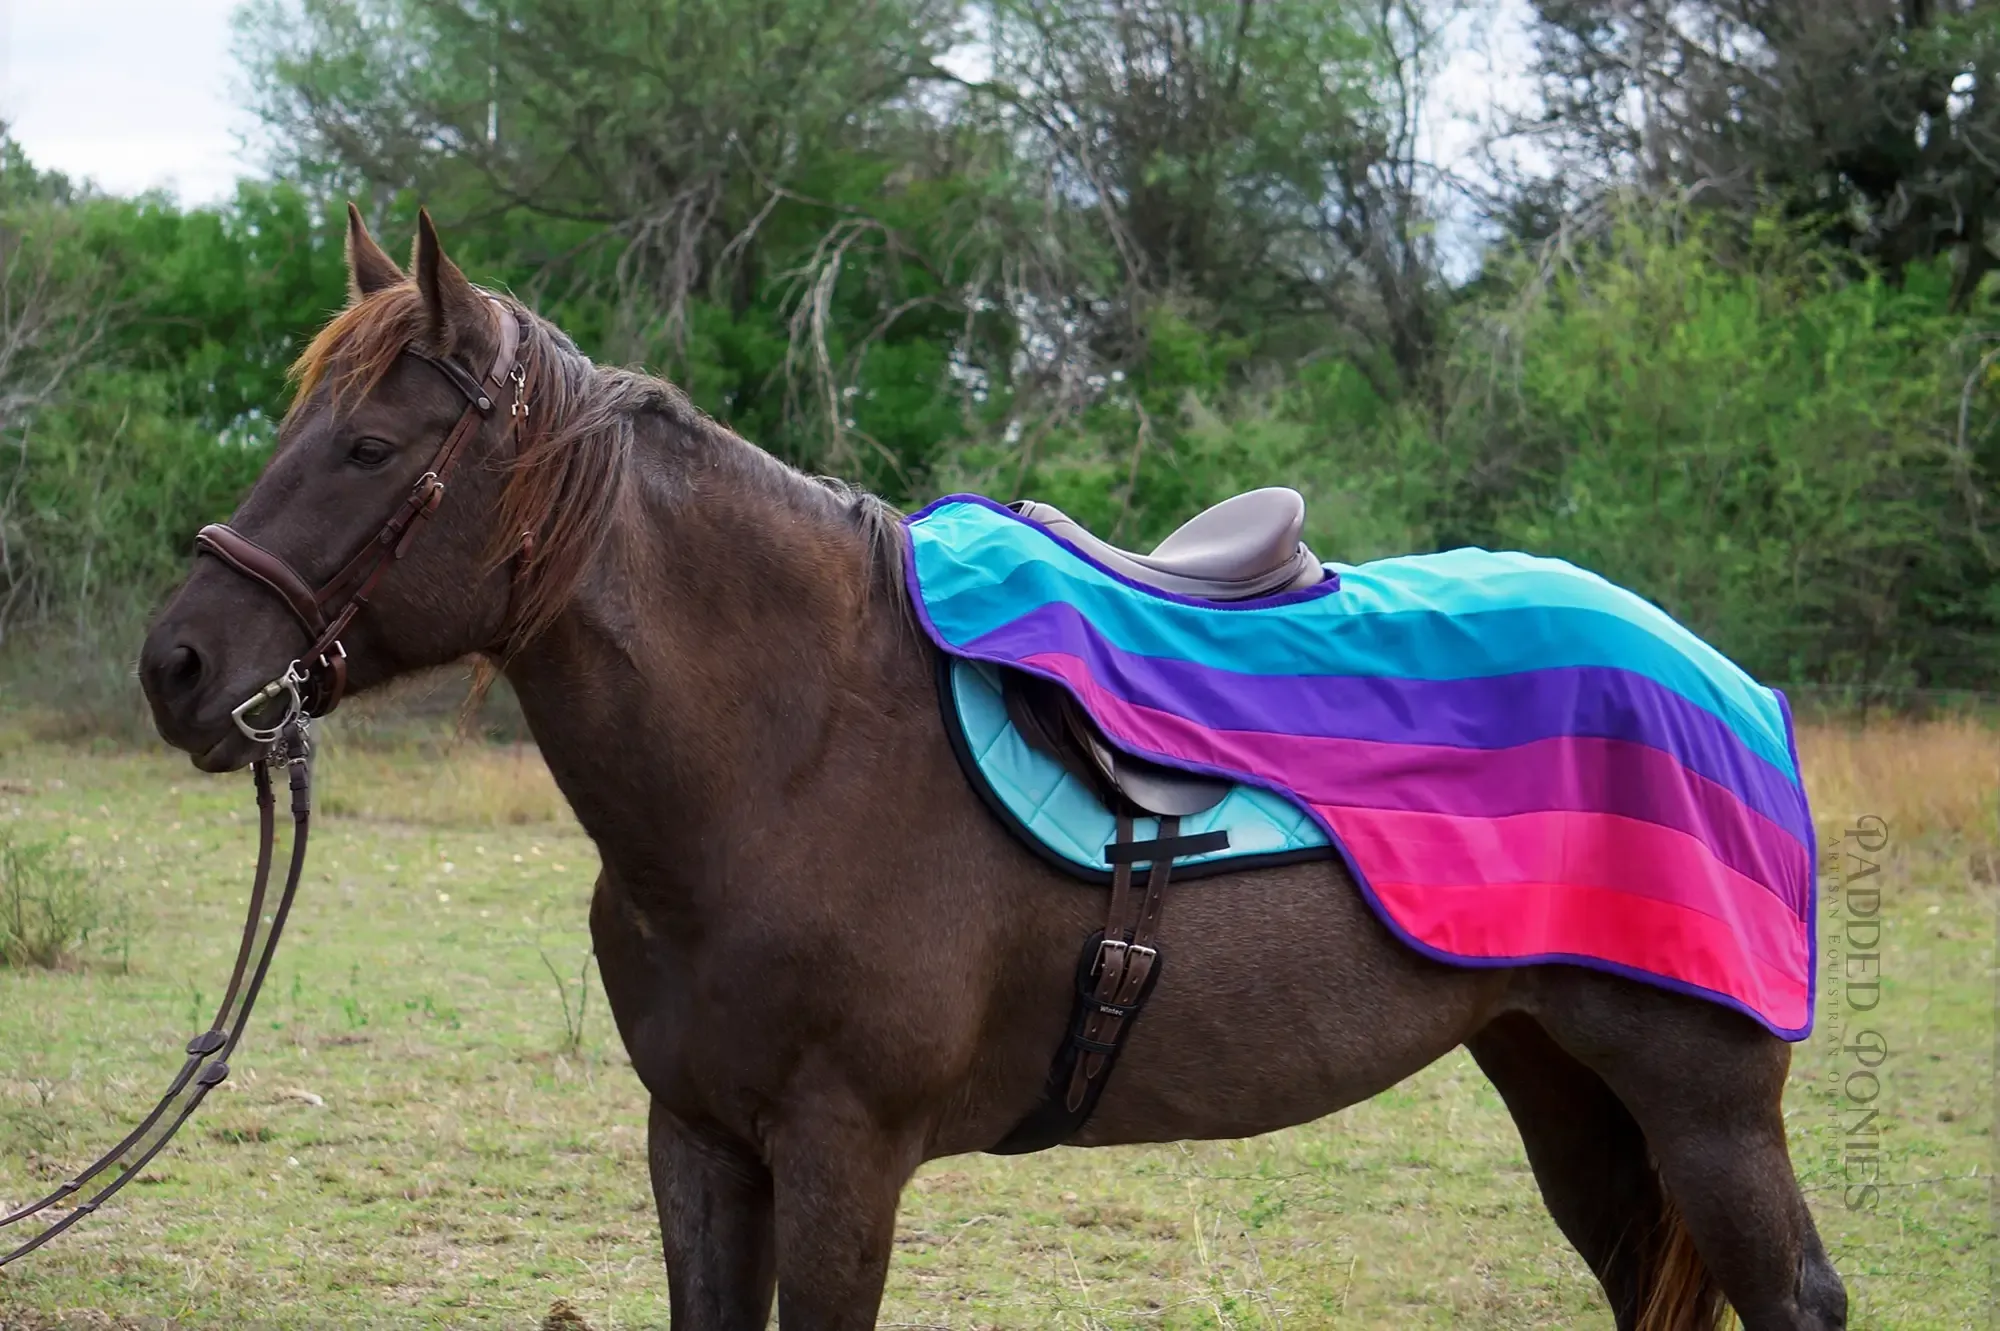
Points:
(1811, 912)
(1382, 913)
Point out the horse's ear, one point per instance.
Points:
(369, 270)
(459, 317)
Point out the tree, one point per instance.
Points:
(1879, 117)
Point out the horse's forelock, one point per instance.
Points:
(357, 347)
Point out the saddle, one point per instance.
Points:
(1242, 548)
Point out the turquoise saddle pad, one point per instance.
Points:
(1059, 816)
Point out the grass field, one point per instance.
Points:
(415, 1135)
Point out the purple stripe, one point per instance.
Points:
(1493, 712)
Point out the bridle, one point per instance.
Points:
(310, 691)
(316, 687)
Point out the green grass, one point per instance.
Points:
(411, 1139)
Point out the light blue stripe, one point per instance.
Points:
(1464, 614)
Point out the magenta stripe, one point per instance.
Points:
(1568, 772)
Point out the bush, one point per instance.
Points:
(50, 903)
(1791, 458)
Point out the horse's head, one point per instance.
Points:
(347, 564)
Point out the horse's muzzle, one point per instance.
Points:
(191, 696)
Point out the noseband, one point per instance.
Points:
(316, 687)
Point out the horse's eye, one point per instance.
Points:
(370, 453)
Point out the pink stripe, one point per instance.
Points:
(1624, 856)
(1540, 919)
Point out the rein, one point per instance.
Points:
(199, 1075)
(309, 691)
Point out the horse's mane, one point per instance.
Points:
(573, 466)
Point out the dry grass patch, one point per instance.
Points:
(1923, 778)
(460, 783)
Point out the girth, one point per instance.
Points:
(326, 611)
(1121, 963)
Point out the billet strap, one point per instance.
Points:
(1126, 961)
(207, 1064)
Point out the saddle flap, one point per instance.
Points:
(1051, 721)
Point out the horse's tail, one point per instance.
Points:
(1680, 1293)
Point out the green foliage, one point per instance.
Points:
(194, 317)
(50, 902)
(1149, 254)
(1768, 449)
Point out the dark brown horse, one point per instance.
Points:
(828, 961)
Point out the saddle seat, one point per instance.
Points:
(1243, 547)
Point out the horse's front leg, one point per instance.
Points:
(715, 1208)
(837, 1181)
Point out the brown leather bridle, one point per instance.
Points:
(316, 687)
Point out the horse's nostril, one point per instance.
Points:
(182, 669)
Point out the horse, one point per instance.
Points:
(828, 962)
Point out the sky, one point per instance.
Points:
(134, 94)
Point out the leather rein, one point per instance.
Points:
(309, 691)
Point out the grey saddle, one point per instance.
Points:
(1241, 548)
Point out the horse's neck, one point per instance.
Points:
(719, 656)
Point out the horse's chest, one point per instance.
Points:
(712, 1025)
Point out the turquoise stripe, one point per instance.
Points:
(1464, 614)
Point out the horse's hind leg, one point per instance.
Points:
(1589, 1157)
(1704, 1084)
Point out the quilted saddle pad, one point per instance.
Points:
(1519, 762)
